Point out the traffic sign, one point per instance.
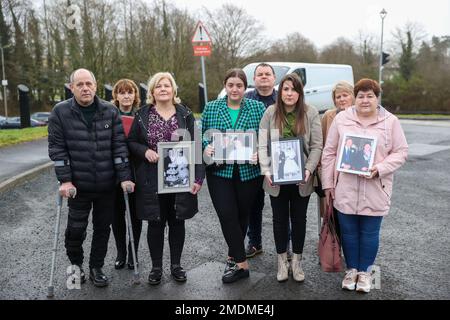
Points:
(202, 50)
(201, 34)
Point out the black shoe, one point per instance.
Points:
(130, 261)
(234, 274)
(178, 273)
(252, 250)
(229, 264)
(131, 265)
(155, 276)
(97, 276)
(119, 264)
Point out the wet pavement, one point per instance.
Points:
(413, 258)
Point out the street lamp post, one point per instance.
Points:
(383, 14)
(4, 81)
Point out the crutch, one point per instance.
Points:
(50, 289)
(130, 235)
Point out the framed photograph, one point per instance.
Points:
(287, 161)
(356, 154)
(176, 166)
(233, 146)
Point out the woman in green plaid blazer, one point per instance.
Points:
(233, 187)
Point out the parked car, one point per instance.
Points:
(14, 123)
(318, 79)
(41, 116)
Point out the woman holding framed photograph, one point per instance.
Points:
(163, 119)
(233, 187)
(343, 98)
(362, 201)
(290, 117)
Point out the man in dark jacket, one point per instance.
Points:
(87, 143)
(264, 79)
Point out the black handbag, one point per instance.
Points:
(318, 188)
(315, 175)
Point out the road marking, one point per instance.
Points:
(422, 149)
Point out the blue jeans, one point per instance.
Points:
(360, 239)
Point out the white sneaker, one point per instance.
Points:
(364, 282)
(349, 282)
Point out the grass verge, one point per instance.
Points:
(423, 116)
(10, 137)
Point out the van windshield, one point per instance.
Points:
(249, 70)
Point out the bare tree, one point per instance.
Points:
(295, 47)
(340, 51)
(367, 50)
(236, 36)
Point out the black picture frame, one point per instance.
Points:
(287, 162)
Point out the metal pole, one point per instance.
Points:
(202, 59)
(50, 288)
(4, 87)
(383, 15)
(131, 236)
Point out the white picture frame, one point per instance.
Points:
(356, 154)
(176, 167)
(233, 146)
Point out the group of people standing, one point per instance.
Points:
(92, 155)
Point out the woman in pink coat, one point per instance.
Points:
(362, 201)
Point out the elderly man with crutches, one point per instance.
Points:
(87, 144)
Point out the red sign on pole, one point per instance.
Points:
(202, 50)
(201, 41)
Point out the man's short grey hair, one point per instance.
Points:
(73, 74)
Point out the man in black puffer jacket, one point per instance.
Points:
(87, 143)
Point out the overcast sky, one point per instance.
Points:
(322, 21)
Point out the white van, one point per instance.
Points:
(318, 79)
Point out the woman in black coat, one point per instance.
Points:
(126, 98)
(161, 121)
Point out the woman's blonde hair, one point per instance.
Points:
(155, 80)
(343, 86)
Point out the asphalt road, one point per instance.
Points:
(414, 255)
(22, 157)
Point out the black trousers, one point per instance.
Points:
(155, 232)
(77, 222)
(233, 200)
(289, 205)
(119, 226)
(255, 220)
